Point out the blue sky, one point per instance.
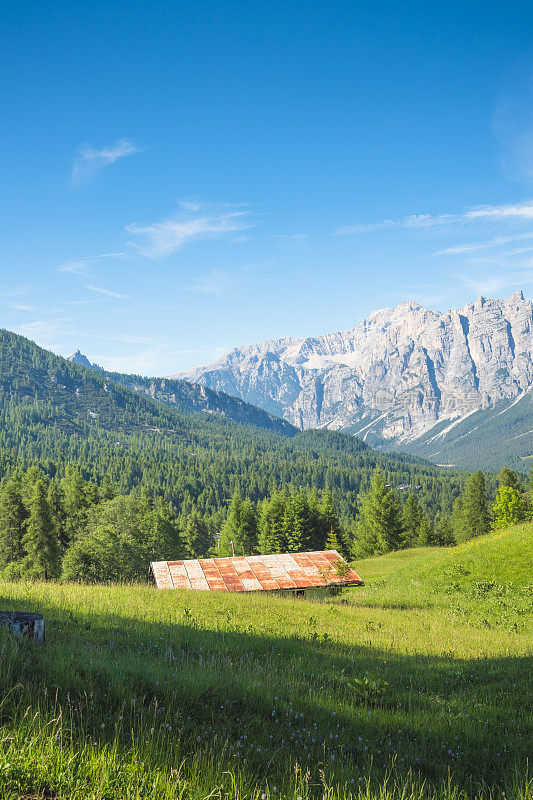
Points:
(182, 177)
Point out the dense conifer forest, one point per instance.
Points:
(98, 478)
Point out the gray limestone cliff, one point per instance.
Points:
(396, 375)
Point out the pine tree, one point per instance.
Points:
(444, 533)
(411, 519)
(231, 529)
(332, 542)
(198, 537)
(507, 477)
(297, 524)
(40, 540)
(426, 535)
(12, 518)
(379, 527)
(271, 525)
(57, 512)
(248, 528)
(474, 517)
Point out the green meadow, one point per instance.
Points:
(417, 685)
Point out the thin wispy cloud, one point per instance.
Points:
(48, 332)
(18, 306)
(191, 223)
(496, 284)
(288, 236)
(218, 281)
(471, 247)
(90, 160)
(215, 282)
(518, 212)
(81, 266)
(106, 292)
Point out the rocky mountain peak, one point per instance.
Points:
(79, 358)
(395, 375)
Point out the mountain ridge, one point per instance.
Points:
(394, 376)
(89, 392)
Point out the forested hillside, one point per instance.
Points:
(56, 412)
(75, 393)
(108, 475)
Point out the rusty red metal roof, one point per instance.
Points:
(256, 573)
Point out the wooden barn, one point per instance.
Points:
(318, 572)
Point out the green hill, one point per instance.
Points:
(504, 557)
(408, 688)
(496, 569)
(78, 393)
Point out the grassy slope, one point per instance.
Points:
(141, 693)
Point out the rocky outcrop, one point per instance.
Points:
(394, 376)
(83, 361)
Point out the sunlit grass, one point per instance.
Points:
(407, 688)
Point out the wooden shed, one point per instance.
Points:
(298, 573)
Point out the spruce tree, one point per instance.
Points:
(444, 532)
(12, 518)
(272, 525)
(411, 519)
(57, 512)
(507, 477)
(332, 542)
(198, 538)
(75, 501)
(474, 518)
(379, 526)
(248, 528)
(230, 531)
(298, 529)
(329, 522)
(426, 535)
(40, 541)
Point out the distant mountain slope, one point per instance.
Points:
(81, 392)
(191, 398)
(399, 377)
(487, 438)
(59, 413)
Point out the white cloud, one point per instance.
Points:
(89, 160)
(170, 234)
(288, 236)
(80, 266)
(107, 292)
(47, 332)
(18, 306)
(518, 212)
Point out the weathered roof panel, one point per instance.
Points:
(256, 573)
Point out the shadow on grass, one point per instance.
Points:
(268, 701)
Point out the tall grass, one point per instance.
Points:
(376, 694)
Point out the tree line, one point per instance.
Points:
(77, 529)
